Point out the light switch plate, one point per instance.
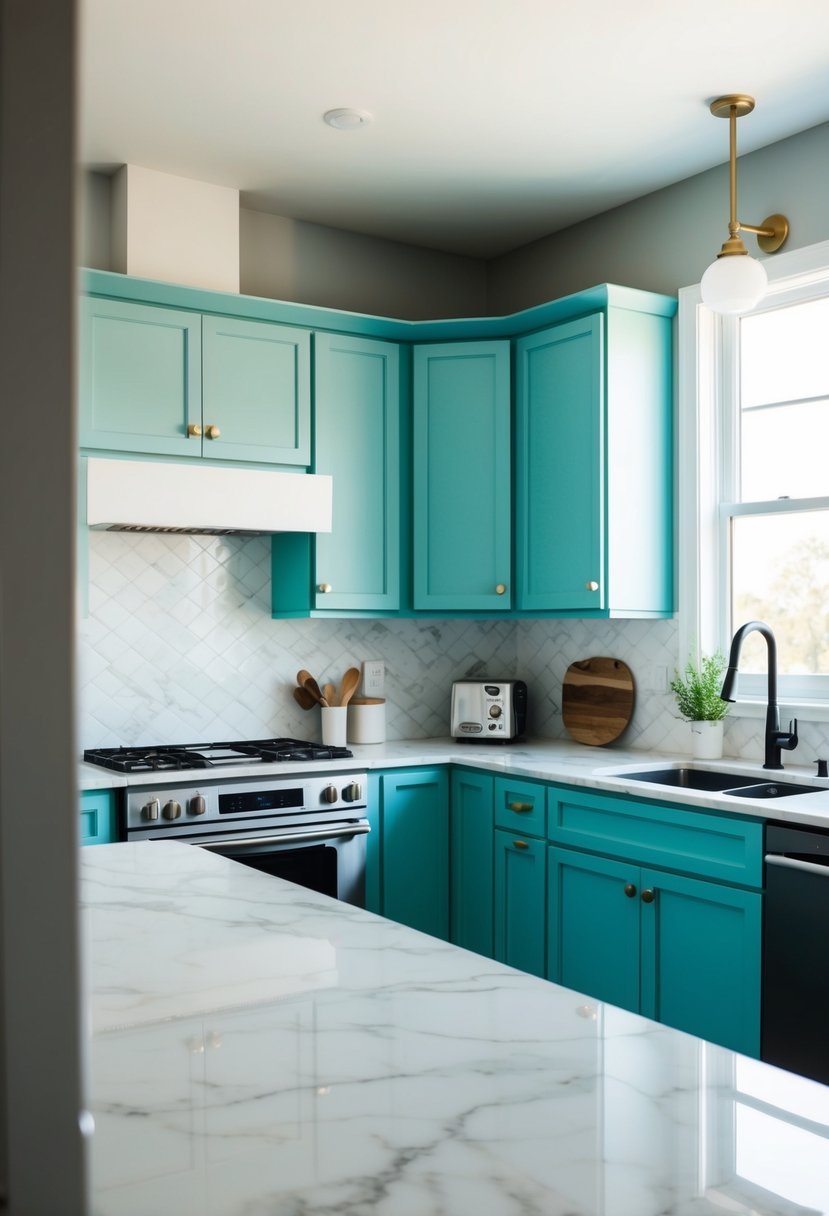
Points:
(374, 676)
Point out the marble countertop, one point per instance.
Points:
(562, 761)
(260, 1049)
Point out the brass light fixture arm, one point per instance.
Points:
(772, 233)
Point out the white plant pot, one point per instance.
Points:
(706, 740)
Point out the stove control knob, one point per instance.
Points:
(150, 809)
(197, 805)
(171, 809)
(329, 794)
(352, 792)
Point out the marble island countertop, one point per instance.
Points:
(562, 761)
(258, 1049)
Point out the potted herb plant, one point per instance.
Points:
(697, 692)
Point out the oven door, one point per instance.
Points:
(329, 859)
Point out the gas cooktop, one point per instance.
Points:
(210, 755)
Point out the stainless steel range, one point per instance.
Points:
(307, 827)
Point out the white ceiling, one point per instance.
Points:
(495, 121)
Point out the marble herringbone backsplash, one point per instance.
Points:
(179, 647)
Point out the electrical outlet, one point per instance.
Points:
(374, 675)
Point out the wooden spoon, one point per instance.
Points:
(303, 697)
(349, 685)
(307, 681)
(330, 693)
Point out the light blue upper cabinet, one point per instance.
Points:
(167, 381)
(257, 391)
(357, 441)
(462, 476)
(594, 467)
(140, 377)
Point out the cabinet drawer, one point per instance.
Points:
(695, 842)
(98, 825)
(519, 806)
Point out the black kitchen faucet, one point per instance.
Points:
(775, 737)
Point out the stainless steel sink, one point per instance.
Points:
(736, 784)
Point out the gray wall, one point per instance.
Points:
(665, 240)
(661, 242)
(286, 259)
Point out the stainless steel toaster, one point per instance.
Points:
(489, 711)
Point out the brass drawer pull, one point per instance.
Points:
(500, 588)
(520, 844)
(324, 588)
(592, 585)
(213, 432)
(193, 430)
(520, 807)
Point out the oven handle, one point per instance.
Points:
(795, 863)
(360, 828)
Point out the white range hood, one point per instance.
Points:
(148, 496)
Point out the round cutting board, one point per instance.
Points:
(597, 700)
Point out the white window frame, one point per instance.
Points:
(707, 371)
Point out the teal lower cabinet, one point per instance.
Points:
(593, 927)
(471, 860)
(98, 817)
(682, 944)
(520, 897)
(407, 869)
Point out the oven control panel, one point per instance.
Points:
(186, 809)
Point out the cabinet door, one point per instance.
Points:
(140, 378)
(593, 926)
(356, 441)
(520, 884)
(257, 391)
(462, 499)
(471, 870)
(560, 500)
(701, 959)
(98, 819)
(416, 849)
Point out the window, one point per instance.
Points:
(754, 457)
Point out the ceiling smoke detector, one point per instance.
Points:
(347, 119)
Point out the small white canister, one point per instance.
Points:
(367, 720)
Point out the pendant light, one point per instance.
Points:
(735, 282)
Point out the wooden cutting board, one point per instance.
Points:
(597, 700)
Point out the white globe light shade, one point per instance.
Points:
(734, 284)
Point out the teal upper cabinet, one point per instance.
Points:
(461, 476)
(140, 378)
(256, 391)
(593, 466)
(166, 381)
(356, 440)
(559, 459)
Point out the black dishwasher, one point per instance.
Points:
(795, 1021)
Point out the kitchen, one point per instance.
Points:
(400, 646)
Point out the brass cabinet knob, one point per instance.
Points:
(500, 588)
(592, 585)
(212, 432)
(520, 844)
(630, 890)
(193, 430)
(324, 588)
(519, 806)
(648, 896)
